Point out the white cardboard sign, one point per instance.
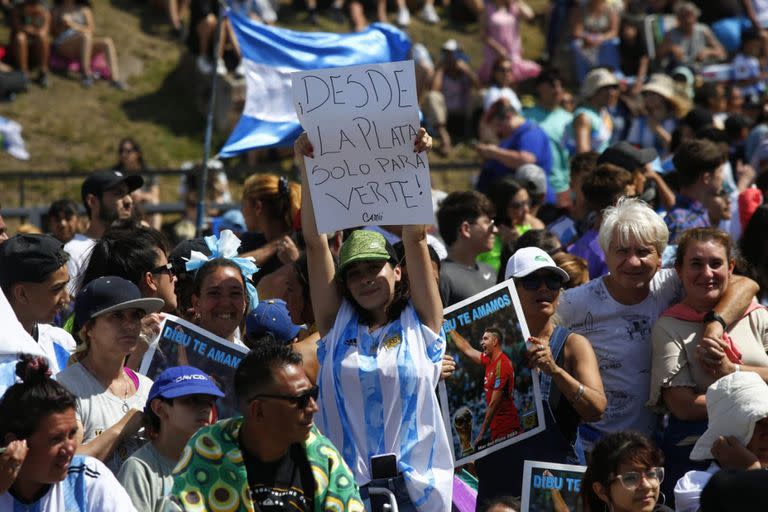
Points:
(362, 122)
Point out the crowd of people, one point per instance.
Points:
(631, 227)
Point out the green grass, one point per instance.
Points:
(69, 128)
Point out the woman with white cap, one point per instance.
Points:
(110, 397)
(736, 436)
(662, 110)
(568, 374)
(592, 125)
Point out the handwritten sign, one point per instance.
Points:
(551, 487)
(464, 398)
(184, 344)
(362, 121)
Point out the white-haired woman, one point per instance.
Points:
(617, 311)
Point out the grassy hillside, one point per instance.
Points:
(67, 127)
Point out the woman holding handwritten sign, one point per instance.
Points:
(380, 356)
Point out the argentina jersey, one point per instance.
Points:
(377, 396)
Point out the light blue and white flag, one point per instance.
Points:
(271, 54)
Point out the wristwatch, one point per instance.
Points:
(712, 316)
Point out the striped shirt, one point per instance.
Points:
(88, 487)
(377, 396)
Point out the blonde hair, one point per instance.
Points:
(28, 229)
(576, 268)
(281, 199)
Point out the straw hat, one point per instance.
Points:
(734, 404)
(596, 80)
(664, 86)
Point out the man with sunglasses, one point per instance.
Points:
(273, 458)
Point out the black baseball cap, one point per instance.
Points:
(99, 181)
(625, 155)
(30, 258)
(111, 293)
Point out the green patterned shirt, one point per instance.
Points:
(211, 474)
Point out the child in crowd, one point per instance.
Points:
(180, 402)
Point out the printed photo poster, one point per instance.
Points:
(362, 121)
(487, 336)
(184, 344)
(550, 487)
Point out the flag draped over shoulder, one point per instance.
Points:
(271, 54)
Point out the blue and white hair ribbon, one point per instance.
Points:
(225, 246)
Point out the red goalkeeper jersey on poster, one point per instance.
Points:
(499, 375)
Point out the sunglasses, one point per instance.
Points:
(516, 205)
(301, 401)
(533, 282)
(631, 479)
(163, 269)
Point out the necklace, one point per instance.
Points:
(126, 387)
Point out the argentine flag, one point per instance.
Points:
(271, 54)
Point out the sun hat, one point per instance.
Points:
(664, 86)
(111, 293)
(364, 245)
(179, 381)
(596, 80)
(734, 404)
(530, 259)
(271, 317)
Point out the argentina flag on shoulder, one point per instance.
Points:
(271, 54)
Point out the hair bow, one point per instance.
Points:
(225, 246)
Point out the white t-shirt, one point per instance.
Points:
(621, 338)
(57, 344)
(79, 250)
(89, 487)
(377, 396)
(98, 409)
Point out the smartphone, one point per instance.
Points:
(384, 466)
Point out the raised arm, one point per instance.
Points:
(424, 291)
(326, 300)
(465, 348)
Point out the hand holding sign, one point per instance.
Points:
(365, 160)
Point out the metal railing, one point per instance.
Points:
(35, 213)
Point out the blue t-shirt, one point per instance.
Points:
(528, 137)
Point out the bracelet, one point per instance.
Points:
(579, 393)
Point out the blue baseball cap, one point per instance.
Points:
(182, 381)
(271, 316)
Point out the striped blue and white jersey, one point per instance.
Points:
(88, 487)
(377, 396)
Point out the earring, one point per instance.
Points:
(663, 498)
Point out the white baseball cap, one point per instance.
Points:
(530, 259)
